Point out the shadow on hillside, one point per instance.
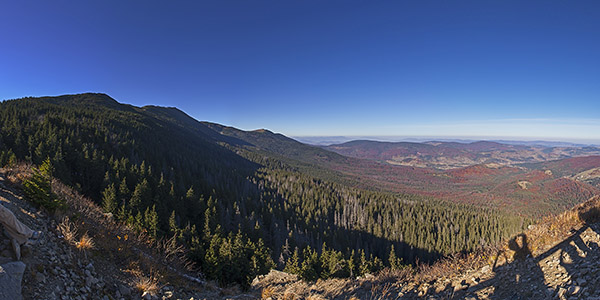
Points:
(563, 271)
(559, 272)
(380, 247)
(344, 239)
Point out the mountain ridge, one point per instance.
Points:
(158, 170)
(447, 155)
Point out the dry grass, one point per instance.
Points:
(287, 295)
(86, 243)
(171, 250)
(68, 230)
(146, 284)
(19, 173)
(389, 275)
(142, 282)
(267, 292)
(382, 292)
(453, 265)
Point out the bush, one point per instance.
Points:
(38, 189)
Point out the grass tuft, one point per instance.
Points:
(68, 230)
(86, 243)
(266, 293)
(146, 284)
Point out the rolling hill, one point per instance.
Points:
(242, 202)
(448, 155)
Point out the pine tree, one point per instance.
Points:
(173, 229)
(138, 222)
(364, 266)
(123, 192)
(109, 199)
(292, 266)
(38, 188)
(351, 263)
(311, 265)
(140, 196)
(151, 221)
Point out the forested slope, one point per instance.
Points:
(241, 202)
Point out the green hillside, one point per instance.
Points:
(241, 202)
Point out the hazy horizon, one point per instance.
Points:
(330, 140)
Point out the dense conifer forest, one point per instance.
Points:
(240, 204)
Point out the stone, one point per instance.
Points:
(88, 281)
(573, 290)
(6, 253)
(124, 290)
(459, 287)
(11, 275)
(40, 277)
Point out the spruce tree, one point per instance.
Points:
(109, 199)
(292, 266)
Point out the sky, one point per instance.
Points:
(489, 69)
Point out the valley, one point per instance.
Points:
(244, 202)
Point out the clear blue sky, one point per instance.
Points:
(307, 68)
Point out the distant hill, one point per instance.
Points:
(241, 202)
(447, 155)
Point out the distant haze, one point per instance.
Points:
(330, 140)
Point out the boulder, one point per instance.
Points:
(11, 275)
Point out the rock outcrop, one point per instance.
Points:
(11, 274)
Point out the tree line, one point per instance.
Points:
(239, 211)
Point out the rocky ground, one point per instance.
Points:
(568, 270)
(53, 270)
